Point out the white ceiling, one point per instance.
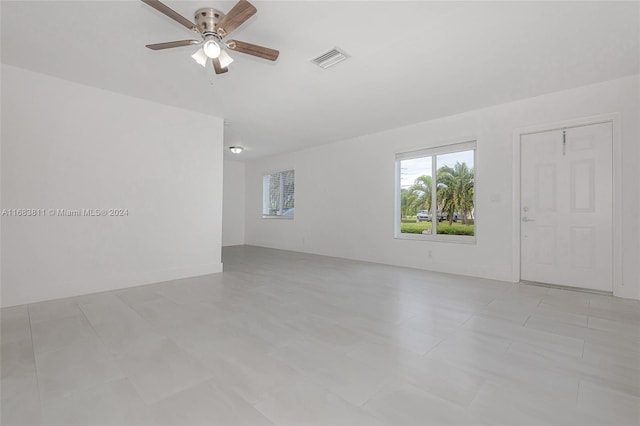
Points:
(410, 61)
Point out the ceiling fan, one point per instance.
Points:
(213, 26)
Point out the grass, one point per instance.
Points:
(415, 227)
(443, 228)
(408, 219)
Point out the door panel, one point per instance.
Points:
(566, 217)
(546, 239)
(546, 187)
(582, 189)
(583, 243)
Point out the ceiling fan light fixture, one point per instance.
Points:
(225, 59)
(236, 149)
(213, 26)
(211, 49)
(200, 57)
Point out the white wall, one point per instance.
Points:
(69, 146)
(345, 190)
(233, 204)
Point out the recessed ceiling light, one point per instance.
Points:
(236, 149)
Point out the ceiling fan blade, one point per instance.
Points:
(253, 49)
(242, 11)
(172, 44)
(217, 67)
(163, 8)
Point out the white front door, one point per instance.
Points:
(566, 207)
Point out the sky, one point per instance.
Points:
(410, 170)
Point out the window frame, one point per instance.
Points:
(433, 152)
(280, 171)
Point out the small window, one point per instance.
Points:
(436, 193)
(278, 194)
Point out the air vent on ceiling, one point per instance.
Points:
(329, 58)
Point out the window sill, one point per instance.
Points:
(278, 217)
(444, 238)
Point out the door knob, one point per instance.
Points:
(526, 219)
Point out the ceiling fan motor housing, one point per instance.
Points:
(207, 20)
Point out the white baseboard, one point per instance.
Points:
(88, 285)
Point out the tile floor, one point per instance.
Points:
(294, 339)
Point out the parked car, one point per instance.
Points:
(423, 216)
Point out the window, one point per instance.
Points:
(278, 194)
(436, 193)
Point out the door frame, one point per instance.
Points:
(615, 120)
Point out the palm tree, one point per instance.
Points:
(422, 189)
(446, 191)
(408, 202)
(455, 190)
(464, 188)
